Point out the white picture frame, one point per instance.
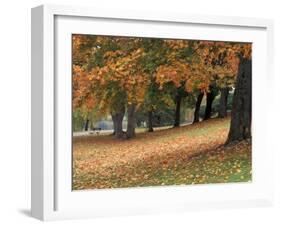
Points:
(52, 197)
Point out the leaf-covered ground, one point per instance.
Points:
(192, 154)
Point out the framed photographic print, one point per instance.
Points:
(142, 112)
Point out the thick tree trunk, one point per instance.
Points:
(209, 102)
(223, 102)
(197, 107)
(177, 112)
(117, 118)
(86, 125)
(241, 114)
(131, 121)
(150, 125)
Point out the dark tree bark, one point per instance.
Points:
(241, 114)
(86, 125)
(223, 102)
(113, 116)
(178, 109)
(197, 107)
(117, 118)
(150, 121)
(131, 121)
(209, 101)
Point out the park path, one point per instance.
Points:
(110, 131)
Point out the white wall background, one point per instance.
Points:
(15, 112)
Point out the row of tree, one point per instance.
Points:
(115, 75)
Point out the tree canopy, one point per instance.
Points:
(110, 73)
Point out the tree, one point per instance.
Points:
(211, 95)
(241, 115)
(155, 51)
(197, 107)
(230, 62)
(172, 76)
(131, 121)
(109, 77)
(150, 121)
(180, 94)
(117, 115)
(223, 102)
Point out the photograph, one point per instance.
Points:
(159, 112)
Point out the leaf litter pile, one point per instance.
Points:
(192, 154)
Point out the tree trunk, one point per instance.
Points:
(177, 112)
(197, 107)
(223, 102)
(114, 123)
(131, 121)
(150, 125)
(241, 114)
(208, 109)
(86, 125)
(117, 118)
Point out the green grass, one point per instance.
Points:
(223, 165)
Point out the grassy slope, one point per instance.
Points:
(187, 155)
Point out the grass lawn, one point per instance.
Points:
(192, 154)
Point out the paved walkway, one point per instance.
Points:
(110, 131)
(92, 133)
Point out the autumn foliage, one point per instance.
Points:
(112, 73)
